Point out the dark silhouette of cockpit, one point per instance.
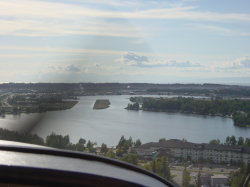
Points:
(31, 165)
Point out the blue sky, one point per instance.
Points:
(156, 41)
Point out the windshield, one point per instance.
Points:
(161, 84)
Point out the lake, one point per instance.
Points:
(108, 125)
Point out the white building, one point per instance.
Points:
(194, 152)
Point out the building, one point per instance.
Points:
(194, 152)
(219, 181)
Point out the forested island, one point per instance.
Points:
(237, 109)
(101, 104)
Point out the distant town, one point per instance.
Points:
(81, 89)
(40, 97)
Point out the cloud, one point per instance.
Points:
(242, 63)
(138, 41)
(72, 69)
(43, 18)
(109, 2)
(219, 30)
(15, 50)
(240, 66)
(133, 59)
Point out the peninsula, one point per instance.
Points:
(237, 109)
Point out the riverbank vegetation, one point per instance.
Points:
(237, 109)
(133, 106)
(34, 103)
(101, 104)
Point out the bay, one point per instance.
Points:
(108, 125)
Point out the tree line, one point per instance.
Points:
(238, 109)
(232, 92)
(120, 152)
(232, 141)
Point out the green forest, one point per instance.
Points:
(237, 109)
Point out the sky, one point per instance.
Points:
(154, 41)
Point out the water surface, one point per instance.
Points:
(110, 124)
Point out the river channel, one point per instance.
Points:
(108, 125)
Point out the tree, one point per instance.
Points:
(198, 180)
(82, 141)
(104, 148)
(240, 141)
(238, 177)
(121, 142)
(57, 141)
(186, 178)
(159, 166)
(231, 140)
(215, 141)
(110, 154)
(247, 142)
(154, 166)
(138, 143)
(90, 147)
(162, 140)
(123, 146)
(165, 171)
(131, 158)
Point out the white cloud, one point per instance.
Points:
(242, 63)
(39, 18)
(73, 68)
(133, 59)
(54, 50)
(238, 67)
(219, 30)
(110, 2)
(138, 41)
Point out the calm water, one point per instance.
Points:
(110, 124)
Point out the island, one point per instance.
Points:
(101, 104)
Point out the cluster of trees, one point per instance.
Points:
(186, 179)
(239, 109)
(20, 137)
(232, 92)
(159, 166)
(63, 142)
(231, 140)
(241, 118)
(134, 106)
(53, 140)
(238, 177)
(124, 145)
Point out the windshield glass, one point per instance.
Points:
(160, 84)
